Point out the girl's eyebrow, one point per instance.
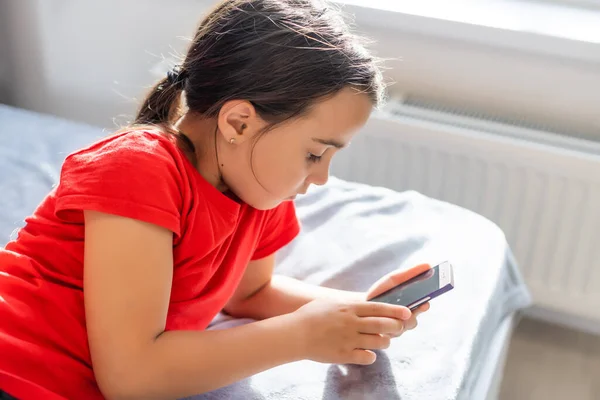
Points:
(330, 142)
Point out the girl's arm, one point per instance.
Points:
(128, 267)
(127, 283)
(262, 295)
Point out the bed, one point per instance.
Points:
(351, 234)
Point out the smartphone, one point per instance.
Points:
(420, 289)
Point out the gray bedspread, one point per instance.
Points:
(352, 234)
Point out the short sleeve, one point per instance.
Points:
(280, 228)
(132, 175)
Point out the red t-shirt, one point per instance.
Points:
(44, 351)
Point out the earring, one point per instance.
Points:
(232, 141)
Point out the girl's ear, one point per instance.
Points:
(238, 121)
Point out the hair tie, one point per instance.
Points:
(177, 76)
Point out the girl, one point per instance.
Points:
(108, 288)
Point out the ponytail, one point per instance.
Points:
(162, 104)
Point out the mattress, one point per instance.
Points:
(351, 235)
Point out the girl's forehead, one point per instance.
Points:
(347, 110)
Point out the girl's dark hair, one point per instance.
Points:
(280, 55)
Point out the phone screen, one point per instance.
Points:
(412, 290)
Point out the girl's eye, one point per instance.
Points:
(313, 158)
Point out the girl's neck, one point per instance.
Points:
(203, 133)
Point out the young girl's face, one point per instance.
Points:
(265, 170)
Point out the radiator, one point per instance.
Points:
(541, 188)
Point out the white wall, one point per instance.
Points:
(88, 60)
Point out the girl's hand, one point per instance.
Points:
(394, 279)
(342, 332)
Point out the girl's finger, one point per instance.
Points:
(421, 309)
(373, 309)
(378, 325)
(411, 324)
(395, 278)
(373, 342)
